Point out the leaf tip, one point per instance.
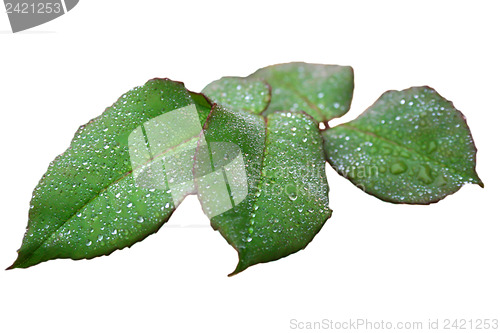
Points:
(13, 266)
(239, 268)
(233, 273)
(22, 261)
(476, 180)
(242, 264)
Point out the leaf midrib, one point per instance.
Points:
(305, 99)
(106, 188)
(241, 250)
(397, 144)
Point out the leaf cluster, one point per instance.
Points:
(253, 152)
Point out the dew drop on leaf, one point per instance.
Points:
(398, 167)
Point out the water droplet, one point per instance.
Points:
(398, 168)
(440, 180)
(432, 147)
(424, 174)
(386, 150)
(140, 219)
(292, 196)
(129, 205)
(405, 154)
(89, 243)
(99, 238)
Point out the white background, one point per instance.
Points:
(372, 260)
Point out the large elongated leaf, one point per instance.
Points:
(322, 91)
(108, 191)
(287, 200)
(411, 146)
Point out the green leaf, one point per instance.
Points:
(322, 91)
(109, 190)
(240, 93)
(411, 146)
(287, 201)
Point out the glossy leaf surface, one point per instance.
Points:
(322, 91)
(411, 146)
(287, 201)
(89, 202)
(240, 93)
